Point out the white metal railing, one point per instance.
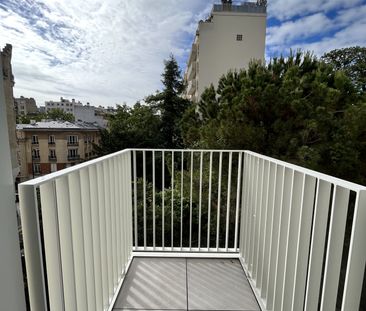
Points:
(288, 225)
(198, 212)
(77, 229)
(292, 238)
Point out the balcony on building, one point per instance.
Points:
(72, 143)
(245, 7)
(52, 158)
(154, 229)
(36, 158)
(74, 157)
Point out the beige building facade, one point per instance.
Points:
(229, 39)
(46, 147)
(25, 106)
(6, 74)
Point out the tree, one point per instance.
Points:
(352, 61)
(298, 109)
(170, 104)
(136, 127)
(59, 114)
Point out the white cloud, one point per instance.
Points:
(318, 32)
(105, 52)
(286, 9)
(298, 29)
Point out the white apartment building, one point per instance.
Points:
(64, 104)
(229, 39)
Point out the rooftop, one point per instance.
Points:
(59, 125)
(244, 7)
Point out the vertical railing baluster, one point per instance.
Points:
(228, 202)
(190, 204)
(218, 205)
(135, 197)
(209, 203)
(238, 187)
(200, 203)
(154, 220)
(172, 211)
(163, 201)
(144, 192)
(181, 202)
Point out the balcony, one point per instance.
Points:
(193, 230)
(36, 158)
(72, 143)
(75, 157)
(245, 7)
(52, 158)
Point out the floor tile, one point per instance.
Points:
(154, 283)
(218, 284)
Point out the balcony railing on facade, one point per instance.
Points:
(36, 158)
(73, 157)
(299, 234)
(73, 143)
(52, 158)
(245, 7)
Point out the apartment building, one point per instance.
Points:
(232, 36)
(65, 105)
(25, 106)
(7, 84)
(50, 146)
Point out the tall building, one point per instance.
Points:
(229, 39)
(25, 106)
(6, 74)
(50, 146)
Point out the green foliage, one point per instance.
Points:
(298, 109)
(170, 104)
(59, 114)
(352, 61)
(136, 127)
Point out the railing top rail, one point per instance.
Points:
(49, 177)
(185, 150)
(43, 179)
(328, 178)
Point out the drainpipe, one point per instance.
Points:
(12, 295)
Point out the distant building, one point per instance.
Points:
(65, 105)
(90, 114)
(229, 39)
(50, 146)
(25, 106)
(6, 75)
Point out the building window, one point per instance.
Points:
(72, 154)
(34, 140)
(51, 139)
(72, 140)
(52, 154)
(35, 154)
(36, 168)
(53, 167)
(239, 37)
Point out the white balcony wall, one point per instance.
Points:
(293, 223)
(77, 226)
(286, 224)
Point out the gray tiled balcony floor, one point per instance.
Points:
(186, 284)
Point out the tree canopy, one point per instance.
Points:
(352, 61)
(170, 104)
(299, 109)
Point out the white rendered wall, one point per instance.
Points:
(219, 51)
(11, 278)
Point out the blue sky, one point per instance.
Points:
(112, 51)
